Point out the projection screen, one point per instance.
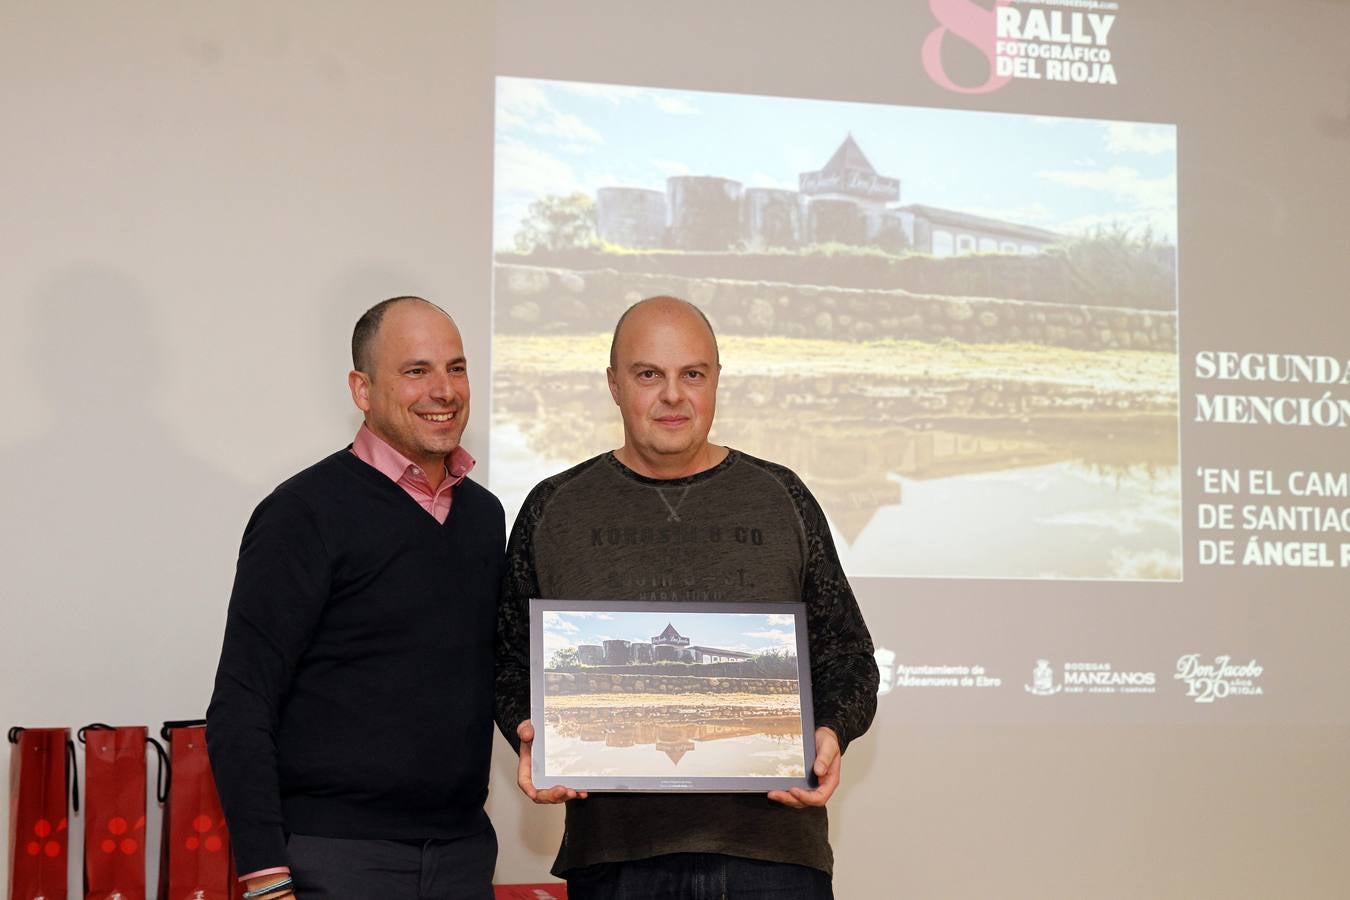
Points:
(1045, 303)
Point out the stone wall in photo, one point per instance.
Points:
(535, 300)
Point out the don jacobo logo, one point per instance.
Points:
(1043, 680)
(1023, 42)
(1210, 680)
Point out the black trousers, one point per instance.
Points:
(697, 876)
(343, 869)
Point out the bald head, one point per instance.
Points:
(363, 335)
(663, 378)
(664, 309)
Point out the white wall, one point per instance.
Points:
(198, 200)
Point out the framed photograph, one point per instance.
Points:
(640, 696)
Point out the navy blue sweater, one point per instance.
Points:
(354, 696)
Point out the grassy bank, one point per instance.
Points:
(1113, 370)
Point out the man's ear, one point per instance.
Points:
(613, 384)
(359, 382)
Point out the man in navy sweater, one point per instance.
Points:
(351, 725)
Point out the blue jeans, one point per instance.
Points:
(698, 876)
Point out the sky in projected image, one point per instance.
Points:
(959, 328)
(746, 632)
(556, 137)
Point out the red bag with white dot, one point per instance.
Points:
(194, 862)
(41, 768)
(114, 809)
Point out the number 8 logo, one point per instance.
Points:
(976, 26)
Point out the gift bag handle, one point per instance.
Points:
(72, 775)
(178, 723)
(92, 726)
(163, 773)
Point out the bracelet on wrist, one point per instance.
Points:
(274, 891)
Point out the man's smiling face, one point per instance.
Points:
(416, 398)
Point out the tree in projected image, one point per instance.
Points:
(558, 223)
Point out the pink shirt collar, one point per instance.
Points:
(376, 452)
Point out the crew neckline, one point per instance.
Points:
(727, 462)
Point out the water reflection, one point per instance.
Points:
(643, 743)
(1014, 479)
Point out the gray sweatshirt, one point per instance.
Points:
(744, 530)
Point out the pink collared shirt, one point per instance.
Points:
(372, 450)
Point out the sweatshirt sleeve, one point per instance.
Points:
(521, 582)
(281, 585)
(844, 671)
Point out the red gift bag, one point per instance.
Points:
(41, 764)
(195, 858)
(114, 810)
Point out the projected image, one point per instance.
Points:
(960, 328)
(655, 694)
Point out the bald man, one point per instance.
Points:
(668, 479)
(351, 725)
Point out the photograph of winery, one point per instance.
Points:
(919, 311)
(650, 694)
